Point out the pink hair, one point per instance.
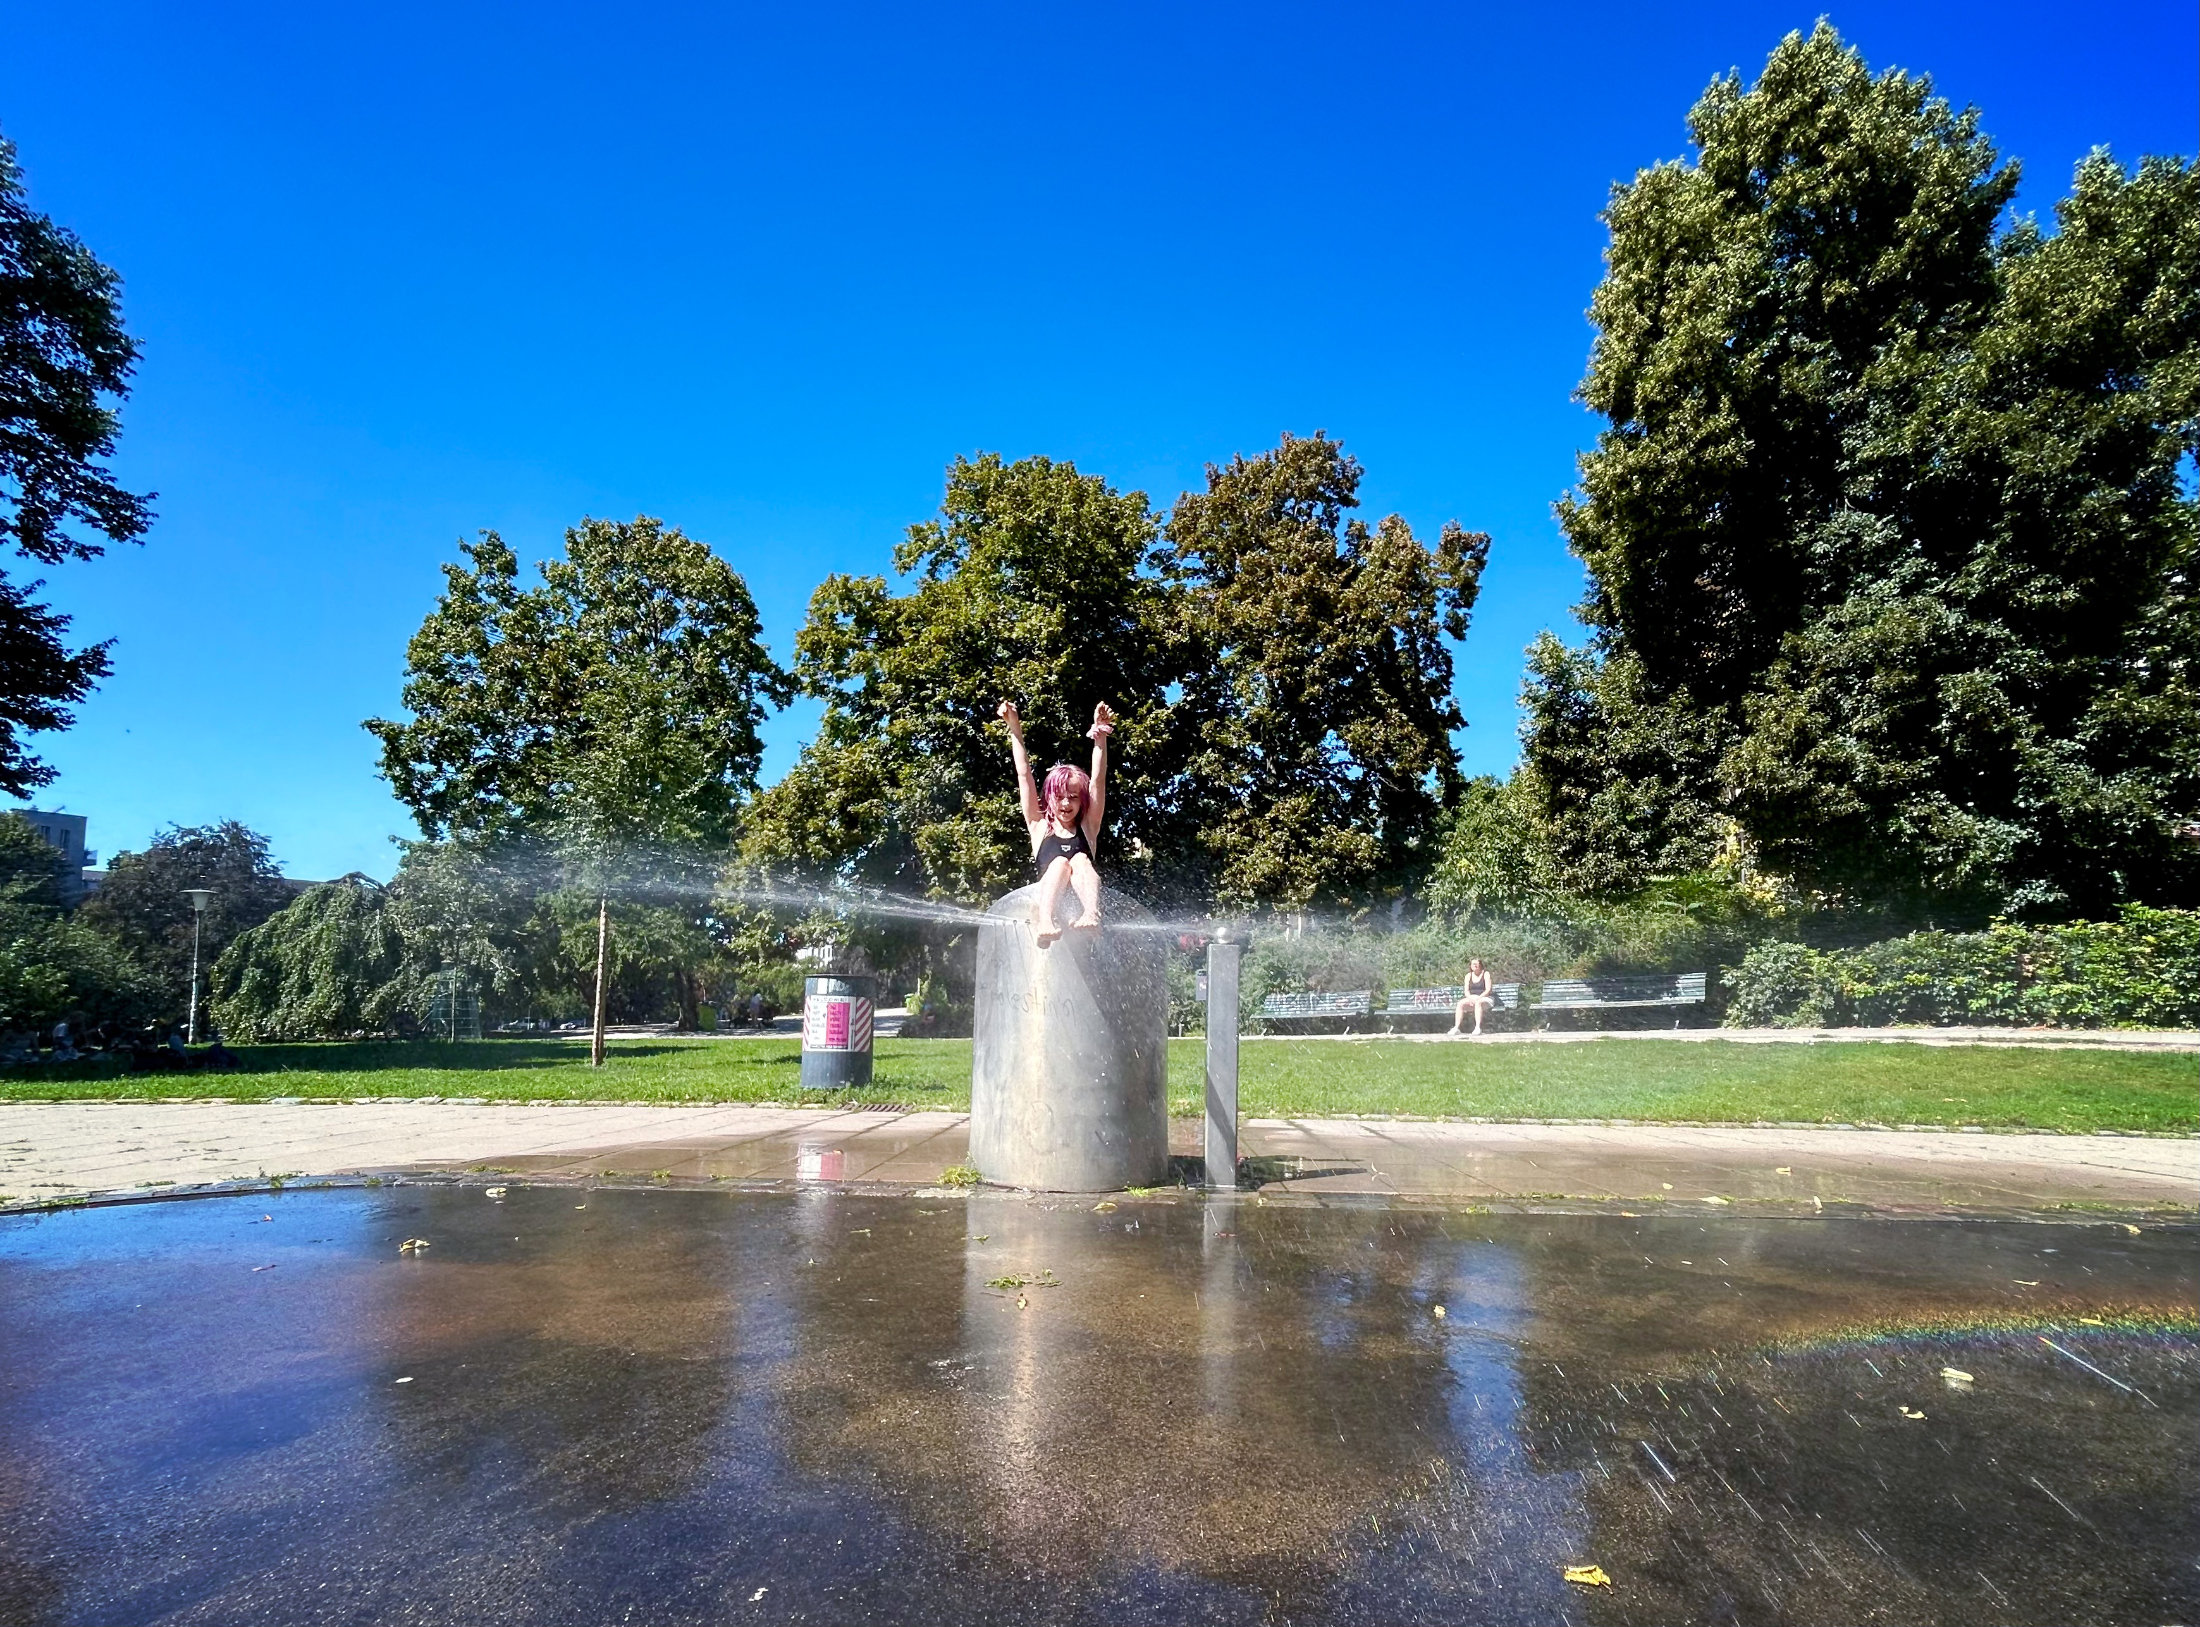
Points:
(1063, 779)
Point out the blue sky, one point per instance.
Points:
(404, 272)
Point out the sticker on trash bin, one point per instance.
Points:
(836, 1022)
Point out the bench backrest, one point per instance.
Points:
(1443, 1002)
(1686, 989)
(1319, 1003)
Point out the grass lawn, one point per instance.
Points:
(1617, 1078)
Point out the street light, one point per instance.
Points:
(199, 897)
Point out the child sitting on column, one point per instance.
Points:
(1065, 826)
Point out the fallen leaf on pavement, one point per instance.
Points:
(1439, 1310)
(1955, 1378)
(1910, 1412)
(1586, 1575)
(1718, 1200)
(412, 1245)
(1104, 1207)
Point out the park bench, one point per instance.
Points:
(1444, 1003)
(1615, 993)
(1317, 1004)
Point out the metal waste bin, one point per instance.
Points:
(836, 1030)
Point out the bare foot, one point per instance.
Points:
(1087, 922)
(1045, 931)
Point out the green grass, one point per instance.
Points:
(1650, 1080)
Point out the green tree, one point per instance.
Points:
(609, 716)
(1890, 567)
(65, 363)
(1315, 720)
(53, 969)
(141, 904)
(1033, 584)
(617, 703)
(329, 965)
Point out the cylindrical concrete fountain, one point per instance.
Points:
(1069, 1083)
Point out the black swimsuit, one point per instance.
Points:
(1052, 847)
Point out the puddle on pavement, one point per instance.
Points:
(669, 1407)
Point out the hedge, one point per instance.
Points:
(2142, 971)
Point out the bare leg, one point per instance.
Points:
(1458, 1016)
(1480, 1006)
(1046, 913)
(1086, 880)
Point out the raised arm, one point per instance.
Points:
(1033, 812)
(1096, 805)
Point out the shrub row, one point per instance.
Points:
(2142, 971)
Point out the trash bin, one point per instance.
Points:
(836, 1030)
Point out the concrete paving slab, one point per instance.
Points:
(77, 1149)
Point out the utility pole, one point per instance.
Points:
(200, 897)
(603, 955)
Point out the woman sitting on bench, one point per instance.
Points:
(1478, 994)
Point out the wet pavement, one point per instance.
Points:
(595, 1405)
(64, 1150)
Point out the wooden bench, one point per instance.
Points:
(1445, 1002)
(1316, 1004)
(1615, 993)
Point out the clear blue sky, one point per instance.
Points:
(402, 272)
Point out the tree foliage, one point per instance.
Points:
(616, 704)
(1314, 726)
(141, 904)
(1033, 583)
(1279, 672)
(54, 969)
(327, 966)
(65, 361)
(1892, 574)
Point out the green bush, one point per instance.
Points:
(2141, 971)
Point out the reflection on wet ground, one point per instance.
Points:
(589, 1406)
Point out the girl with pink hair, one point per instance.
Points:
(1065, 826)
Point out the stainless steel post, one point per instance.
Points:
(1222, 1062)
(1069, 1079)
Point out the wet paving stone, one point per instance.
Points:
(587, 1405)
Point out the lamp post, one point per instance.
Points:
(199, 897)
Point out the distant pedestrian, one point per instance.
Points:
(1479, 993)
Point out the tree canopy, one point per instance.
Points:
(1316, 713)
(1032, 584)
(1891, 568)
(615, 705)
(65, 362)
(1279, 672)
(328, 965)
(142, 906)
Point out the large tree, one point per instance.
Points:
(1280, 672)
(617, 703)
(142, 905)
(328, 966)
(1890, 568)
(602, 727)
(65, 363)
(1032, 584)
(1316, 712)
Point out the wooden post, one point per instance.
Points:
(603, 956)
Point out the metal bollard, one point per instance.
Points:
(1222, 1062)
